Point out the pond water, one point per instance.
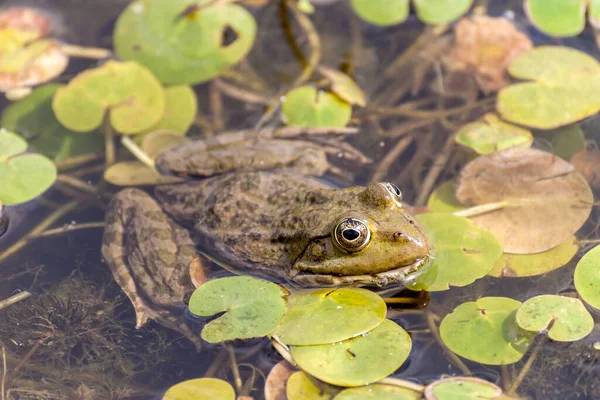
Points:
(74, 337)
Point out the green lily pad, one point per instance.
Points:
(462, 388)
(462, 251)
(491, 134)
(325, 316)
(566, 140)
(441, 11)
(301, 387)
(565, 318)
(594, 13)
(132, 96)
(253, 308)
(344, 86)
(358, 361)
(521, 265)
(381, 12)
(378, 392)
(180, 110)
(201, 389)
(587, 277)
(183, 41)
(557, 18)
(443, 200)
(34, 120)
(486, 331)
(565, 88)
(307, 107)
(24, 176)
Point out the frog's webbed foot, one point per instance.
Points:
(149, 255)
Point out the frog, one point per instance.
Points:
(261, 208)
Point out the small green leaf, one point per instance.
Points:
(566, 140)
(300, 386)
(587, 277)
(184, 41)
(306, 107)
(441, 11)
(565, 318)
(325, 316)
(462, 388)
(491, 134)
(381, 12)
(24, 176)
(485, 331)
(344, 86)
(253, 308)
(462, 251)
(358, 361)
(561, 18)
(378, 392)
(128, 92)
(201, 389)
(442, 199)
(180, 110)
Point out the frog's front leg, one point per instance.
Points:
(149, 256)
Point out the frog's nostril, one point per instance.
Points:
(397, 235)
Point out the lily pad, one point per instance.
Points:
(34, 120)
(135, 173)
(521, 265)
(180, 110)
(545, 200)
(557, 18)
(462, 388)
(344, 86)
(443, 200)
(358, 361)
(381, 12)
(276, 382)
(491, 134)
(158, 141)
(24, 176)
(486, 331)
(565, 88)
(133, 98)
(587, 277)
(325, 316)
(307, 107)
(566, 140)
(462, 251)
(565, 318)
(441, 11)
(201, 389)
(378, 392)
(594, 13)
(587, 163)
(253, 308)
(184, 41)
(300, 386)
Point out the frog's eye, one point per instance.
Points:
(393, 190)
(351, 235)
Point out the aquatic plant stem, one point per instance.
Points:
(237, 379)
(85, 52)
(3, 372)
(533, 355)
(403, 384)
(69, 228)
(109, 142)
(451, 356)
(482, 209)
(283, 350)
(239, 93)
(405, 111)
(137, 151)
(439, 162)
(382, 169)
(76, 161)
(14, 299)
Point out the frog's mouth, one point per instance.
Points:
(400, 275)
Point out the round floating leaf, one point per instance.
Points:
(253, 308)
(485, 331)
(491, 134)
(381, 12)
(565, 318)
(587, 163)
(557, 18)
(594, 13)
(378, 392)
(443, 200)
(156, 142)
(545, 200)
(180, 110)
(184, 41)
(462, 251)
(201, 389)
(358, 361)
(330, 315)
(307, 107)
(34, 120)
(344, 86)
(135, 173)
(275, 385)
(565, 88)
(521, 265)
(301, 387)
(132, 96)
(462, 388)
(587, 277)
(566, 141)
(441, 11)
(24, 176)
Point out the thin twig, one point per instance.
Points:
(76, 161)
(85, 52)
(513, 388)
(436, 169)
(216, 364)
(482, 209)
(382, 169)
(405, 111)
(451, 356)
(240, 93)
(14, 299)
(237, 379)
(137, 151)
(109, 142)
(3, 372)
(68, 228)
(76, 183)
(216, 106)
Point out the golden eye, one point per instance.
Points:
(351, 234)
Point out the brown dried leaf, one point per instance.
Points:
(587, 163)
(547, 200)
(25, 18)
(275, 386)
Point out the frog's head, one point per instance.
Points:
(371, 239)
